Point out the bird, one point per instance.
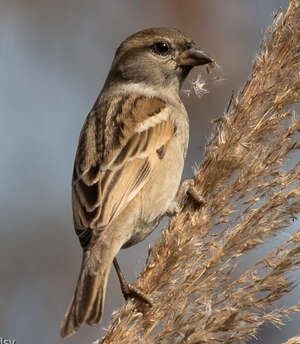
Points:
(129, 161)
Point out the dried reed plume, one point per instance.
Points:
(294, 340)
(250, 181)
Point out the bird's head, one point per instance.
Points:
(161, 57)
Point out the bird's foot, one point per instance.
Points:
(128, 290)
(197, 197)
(187, 187)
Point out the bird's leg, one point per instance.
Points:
(129, 290)
(186, 187)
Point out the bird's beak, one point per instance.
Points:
(193, 57)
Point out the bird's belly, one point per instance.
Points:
(155, 197)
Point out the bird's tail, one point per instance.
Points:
(88, 300)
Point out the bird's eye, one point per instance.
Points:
(161, 48)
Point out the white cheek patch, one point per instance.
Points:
(152, 121)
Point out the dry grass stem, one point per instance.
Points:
(250, 181)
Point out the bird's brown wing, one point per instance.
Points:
(120, 143)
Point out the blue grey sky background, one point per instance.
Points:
(54, 58)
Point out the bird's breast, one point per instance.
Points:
(155, 197)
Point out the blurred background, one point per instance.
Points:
(54, 58)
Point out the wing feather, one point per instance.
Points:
(118, 149)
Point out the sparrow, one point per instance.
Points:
(129, 161)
